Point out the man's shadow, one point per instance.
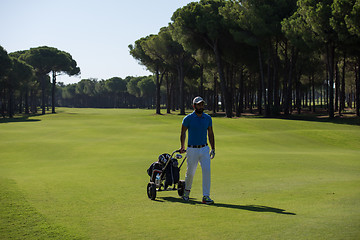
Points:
(253, 208)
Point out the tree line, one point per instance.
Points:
(28, 82)
(274, 57)
(271, 55)
(25, 81)
(131, 92)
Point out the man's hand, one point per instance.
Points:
(212, 153)
(182, 150)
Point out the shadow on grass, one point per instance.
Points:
(319, 118)
(348, 119)
(24, 118)
(253, 208)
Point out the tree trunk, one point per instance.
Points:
(180, 68)
(313, 92)
(240, 105)
(331, 58)
(21, 101)
(157, 92)
(259, 96)
(168, 95)
(225, 101)
(276, 83)
(32, 100)
(288, 97)
(215, 100)
(349, 101)
(2, 104)
(201, 80)
(26, 100)
(298, 94)
(262, 83)
(53, 92)
(11, 102)
(43, 95)
(172, 94)
(327, 88)
(285, 101)
(357, 92)
(337, 86)
(222, 102)
(342, 92)
(230, 89)
(269, 90)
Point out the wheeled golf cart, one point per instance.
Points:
(164, 173)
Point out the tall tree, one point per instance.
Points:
(299, 43)
(5, 62)
(63, 63)
(175, 57)
(46, 59)
(316, 18)
(239, 53)
(86, 90)
(20, 74)
(148, 56)
(5, 67)
(258, 23)
(199, 25)
(346, 22)
(147, 89)
(116, 86)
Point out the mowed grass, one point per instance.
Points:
(81, 174)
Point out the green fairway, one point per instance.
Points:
(81, 174)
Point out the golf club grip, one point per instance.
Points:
(178, 151)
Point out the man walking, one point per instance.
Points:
(199, 125)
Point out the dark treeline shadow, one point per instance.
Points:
(318, 118)
(24, 118)
(344, 119)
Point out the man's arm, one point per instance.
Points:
(182, 138)
(211, 137)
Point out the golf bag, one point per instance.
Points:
(165, 172)
(171, 171)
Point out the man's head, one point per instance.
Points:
(198, 104)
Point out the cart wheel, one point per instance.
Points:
(181, 187)
(148, 190)
(151, 190)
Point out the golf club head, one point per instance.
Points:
(178, 156)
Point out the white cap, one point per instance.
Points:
(198, 100)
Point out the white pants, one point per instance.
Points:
(195, 156)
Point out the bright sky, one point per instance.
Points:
(95, 33)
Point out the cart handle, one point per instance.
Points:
(167, 162)
(176, 151)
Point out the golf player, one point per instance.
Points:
(199, 126)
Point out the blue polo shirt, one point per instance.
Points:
(197, 127)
